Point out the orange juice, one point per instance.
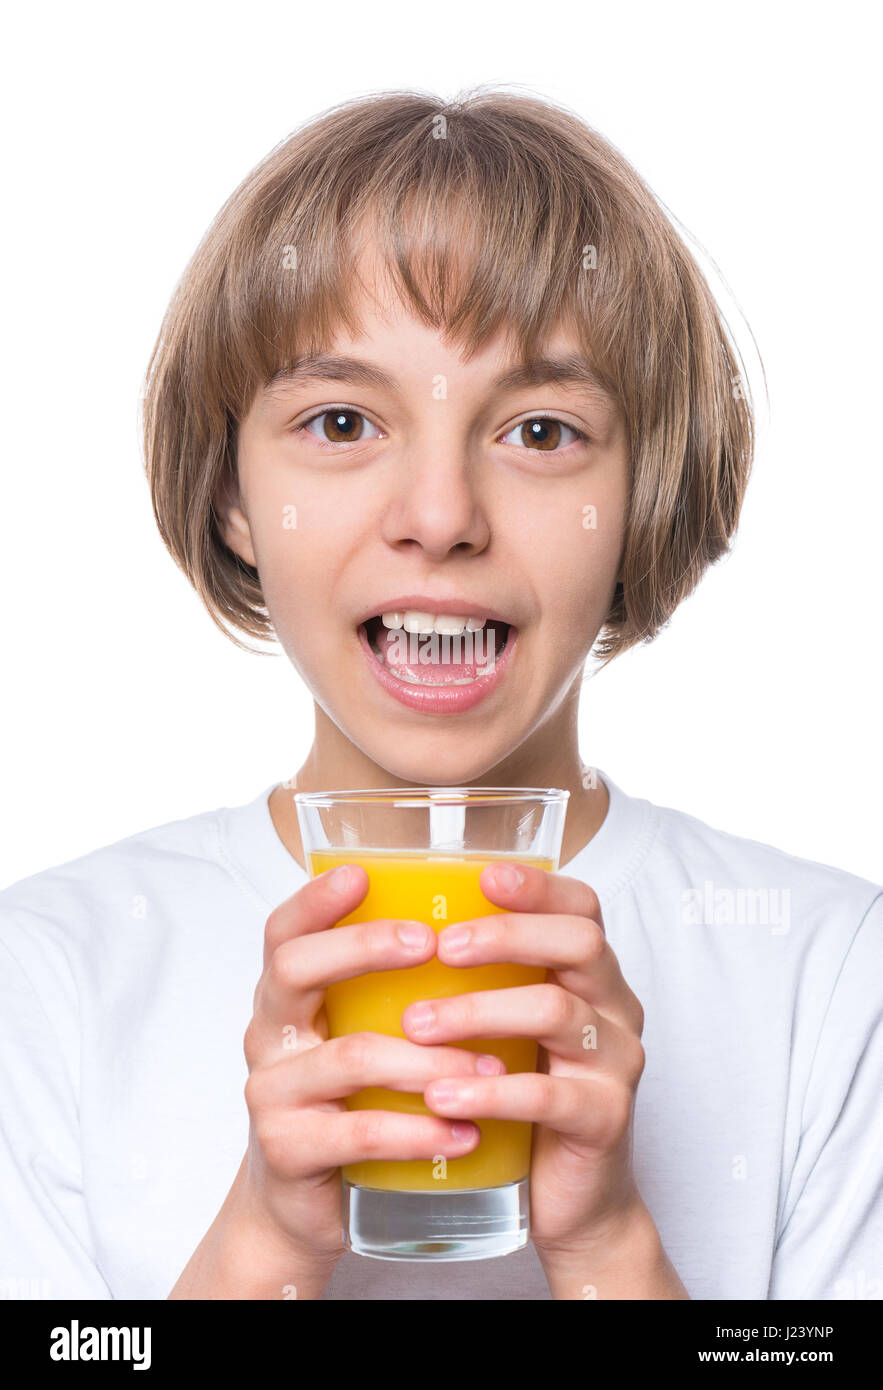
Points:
(437, 890)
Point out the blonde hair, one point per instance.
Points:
(559, 227)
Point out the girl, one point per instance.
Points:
(444, 362)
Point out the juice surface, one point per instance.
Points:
(438, 891)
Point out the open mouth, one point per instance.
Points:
(433, 658)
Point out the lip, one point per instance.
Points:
(424, 603)
(442, 699)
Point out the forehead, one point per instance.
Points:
(389, 345)
(379, 354)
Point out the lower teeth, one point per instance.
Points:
(415, 680)
(411, 679)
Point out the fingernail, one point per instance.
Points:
(340, 879)
(411, 933)
(488, 1065)
(508, 877)
(455, 938)
(421, 1017)
(462, 1132)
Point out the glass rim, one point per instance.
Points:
(433, 796)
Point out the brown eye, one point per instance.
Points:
(542, 434)
(545, 434)
(341, 425)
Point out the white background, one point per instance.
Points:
(125, 128)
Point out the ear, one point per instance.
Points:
(232, 520)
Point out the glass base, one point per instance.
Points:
(476, 1224)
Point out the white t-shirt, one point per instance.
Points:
(127, 979)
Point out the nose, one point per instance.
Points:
(435, 503)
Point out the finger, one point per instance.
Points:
(574, 947)
(539, 890)
(308, 1143)
(596, 1110)
(320, 903)
(560, 1021)
(290, 990)
(340, 1067)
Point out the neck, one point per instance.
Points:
(549, 758)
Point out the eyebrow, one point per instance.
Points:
(539, 371)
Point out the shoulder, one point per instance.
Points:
(79, 900)
(96, 948)
(191, 838)
(721, 878)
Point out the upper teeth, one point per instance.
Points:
(412, 620)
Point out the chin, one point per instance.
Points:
(441, 768)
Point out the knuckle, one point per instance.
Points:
(373, 944)
(254, 1092)
(272, 1141)
(250, 1045)
(591, 906)
(249, 1090)
(557, 1007)
(283, 968)
(539, 1096)
(594, 943)
(458, 1012)
(495, 931)
(639, 1061)
(258, 996)
(355, 1052)
(276, 927)
(618, 1110)
(266, 1128)
(368, 1131)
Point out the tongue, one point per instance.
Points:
(436, 657)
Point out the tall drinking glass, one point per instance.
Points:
(423, 850)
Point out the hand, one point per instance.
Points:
(300, 1130)
(588, 1023)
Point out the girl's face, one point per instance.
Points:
(427, 475)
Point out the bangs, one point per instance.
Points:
(475, 231)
